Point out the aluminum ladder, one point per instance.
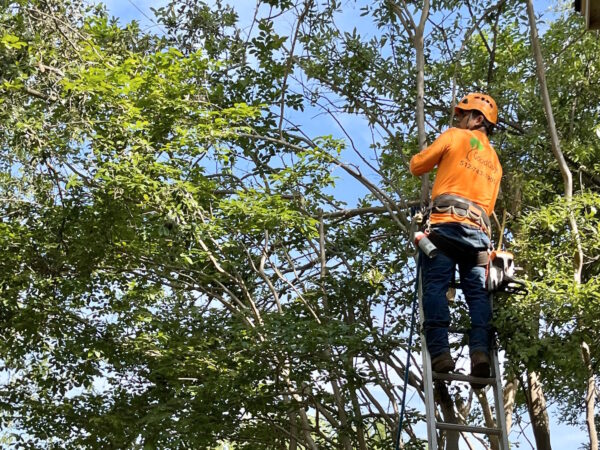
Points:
(495, 381)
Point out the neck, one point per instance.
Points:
(481, 129)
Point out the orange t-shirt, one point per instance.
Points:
(467, 166)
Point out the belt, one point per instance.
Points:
(462, 207)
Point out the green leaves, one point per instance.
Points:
(567, 310)
(150, 236)
(9, 41)
(166, 282)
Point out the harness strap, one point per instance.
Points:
(462, 207)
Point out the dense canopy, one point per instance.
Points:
(198, 250)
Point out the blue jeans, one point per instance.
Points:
(437, 274)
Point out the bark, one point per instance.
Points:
(360, 428)
(420, 60)
(345, 428)
(290, 62)
(335, 383)
(536, 404)
(417, 32)
(293, 433)
(541, 73)
(488, 418)
(449, 414)
(310, 443)
(510, 392)
(590, 399)
(555, 143)
(287, 398)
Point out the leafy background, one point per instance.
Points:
(205, 229)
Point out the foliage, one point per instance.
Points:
(179, 269)
(561, 313)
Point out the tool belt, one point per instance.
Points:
(457, 252)
(462, 207)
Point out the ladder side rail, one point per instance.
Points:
(498, 391)
(427, 376)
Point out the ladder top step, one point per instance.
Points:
(460, 377)
(468, 428)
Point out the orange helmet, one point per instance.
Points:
(482, 103)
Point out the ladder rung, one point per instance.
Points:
(461, 377)
(467, 428)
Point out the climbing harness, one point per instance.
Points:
(461, 207)
(500, 267)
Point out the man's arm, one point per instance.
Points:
(427, 159)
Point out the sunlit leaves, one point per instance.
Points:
(9, 41)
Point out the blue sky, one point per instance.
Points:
(563, 436)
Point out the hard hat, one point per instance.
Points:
(480, 102)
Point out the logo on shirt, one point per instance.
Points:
(476, 162)
(475, 144)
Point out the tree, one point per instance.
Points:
(179, 268)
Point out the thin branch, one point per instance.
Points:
(40, 95)
(376, 210)
(307, 6)
(405, 17)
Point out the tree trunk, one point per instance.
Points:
(555, 143)
(488, 418)
(590, 399)
(301, 412)
(420, 62)
(293, 432)
(447, 405)
(336, 380)
(343, 417)
(541, 73)
(536, 404)
(360, 428)
(510, 392)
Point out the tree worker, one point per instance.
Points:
(463, 197)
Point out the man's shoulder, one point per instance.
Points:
(449, 135)
(455, 137)
(452, 130)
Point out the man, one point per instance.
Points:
(464, 194)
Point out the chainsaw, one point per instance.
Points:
(501, 274)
